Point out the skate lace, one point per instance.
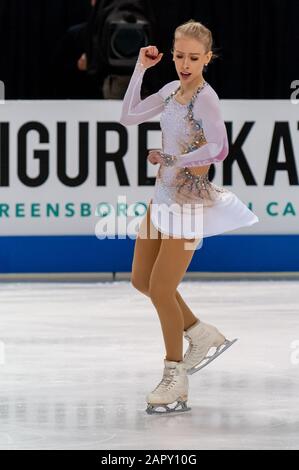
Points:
(167, 382)
(193, 349)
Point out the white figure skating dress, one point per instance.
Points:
(193, 135)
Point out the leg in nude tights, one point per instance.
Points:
(159, 264)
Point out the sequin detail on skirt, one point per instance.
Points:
(183, 187)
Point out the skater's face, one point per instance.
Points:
(189, 55)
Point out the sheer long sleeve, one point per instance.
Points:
(216, 148)
(135, 110)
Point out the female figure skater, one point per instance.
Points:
(193, 137)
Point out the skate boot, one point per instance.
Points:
(202, 337)
(171, 394)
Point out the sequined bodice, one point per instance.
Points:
(181, 133)
(178, 125)
(175, 128)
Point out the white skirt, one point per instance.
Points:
(222, 212)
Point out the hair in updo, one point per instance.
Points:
(195, 30)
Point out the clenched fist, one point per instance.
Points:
(149, 56)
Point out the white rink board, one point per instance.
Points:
(56, 206)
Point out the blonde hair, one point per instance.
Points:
(195, 30)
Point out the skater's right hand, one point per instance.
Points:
(149, 56)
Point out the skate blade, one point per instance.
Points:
(154, 409)
(223, 347)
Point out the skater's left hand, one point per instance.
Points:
(154, 156)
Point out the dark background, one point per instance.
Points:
(257, 40)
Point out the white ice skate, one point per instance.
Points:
(202, 337)
(171, 394)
